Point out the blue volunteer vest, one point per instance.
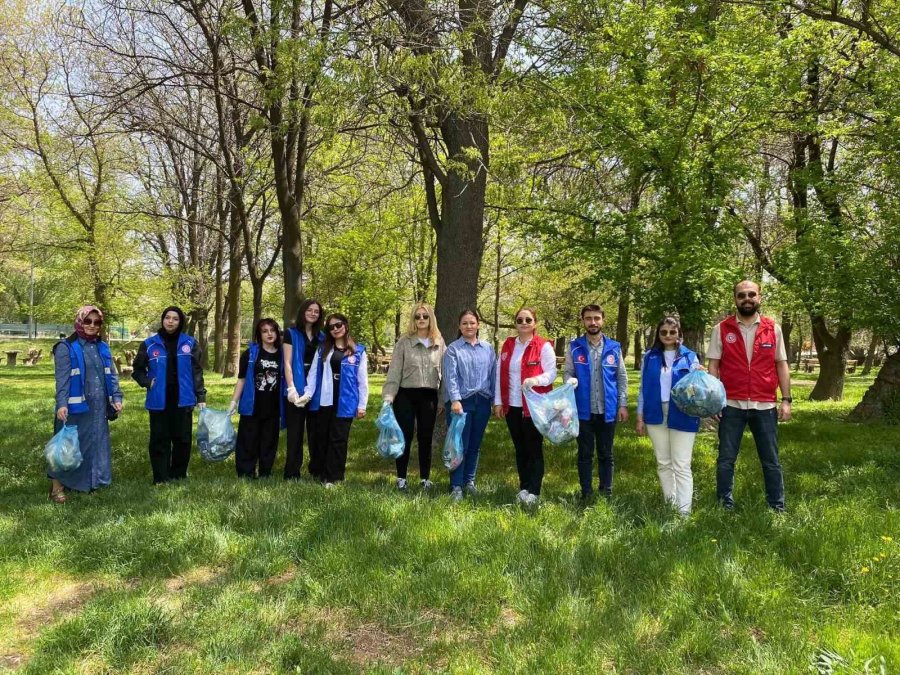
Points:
(348, 403)
(581, 360)
(158, 358)
(653, 411)
(76, 402)
(298, 347)
(247, 404)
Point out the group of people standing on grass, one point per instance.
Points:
(313, 381)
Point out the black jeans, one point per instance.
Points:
(591, 432)
(257, 443)
(170, 443)
(764, 427)
(297, 420)
(416, 409)
(334, 435)
(529, 445)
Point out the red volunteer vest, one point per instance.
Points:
(758, 380)
(531, 367)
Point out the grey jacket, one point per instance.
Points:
(413, 365)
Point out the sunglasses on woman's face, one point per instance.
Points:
(92, 322)
(336, 325)
(668, 333)
(524, 319)
(419, 317)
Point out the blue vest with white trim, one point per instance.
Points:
(609, 360)
(653, 412)
(298, 347)
(247, 404)
(158, 358)
(76, 402)
(348, 403)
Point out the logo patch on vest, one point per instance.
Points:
(581, 359)
(155, 353)
(351, 360)
(766, 345)
(731, 337)
(610, 360)
(186, 349)
(504, 356)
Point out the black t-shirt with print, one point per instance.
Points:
(266, 381)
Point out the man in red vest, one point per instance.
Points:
(746, 351)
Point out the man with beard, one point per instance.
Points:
(595, 367)
(746, 351)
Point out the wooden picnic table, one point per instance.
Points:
(11, 356)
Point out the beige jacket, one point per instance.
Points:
(413, 366)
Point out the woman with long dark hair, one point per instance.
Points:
(468, 372)
(671, 431)
(167, 365)
(87, 395)
(411, 387)
(339, 392)
(527, 361)
(259, 402)
(300, 344)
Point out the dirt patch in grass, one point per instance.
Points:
(197, 576)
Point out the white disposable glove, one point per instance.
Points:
(232, 407)
(292, 395)
(573, 381)
(303, 400)
(529, 382)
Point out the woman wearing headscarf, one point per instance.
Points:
(87, 396)
(167, 365)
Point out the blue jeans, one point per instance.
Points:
(763, 426)
(478, 412)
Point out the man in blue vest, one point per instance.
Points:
(167, 365)
(595, 367)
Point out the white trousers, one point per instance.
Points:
(673, 462)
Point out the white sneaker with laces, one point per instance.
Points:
(531, 500)
(470, 488)
(456, 494)
(522, 497)
(401, 484)
(427, 484)
(329, 486)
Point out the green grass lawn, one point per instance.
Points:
(225, 576)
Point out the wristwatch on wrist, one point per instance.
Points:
(787, 398)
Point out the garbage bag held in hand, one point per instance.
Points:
(62, 451)
(699, 394)
(453, 444)
(216, 437)
(391, 443)
(555, 414)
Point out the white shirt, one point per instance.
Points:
(548, 366)
(665, 375)
(326, 398)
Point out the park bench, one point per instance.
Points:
(809, 365)
(34, 355)
(851, 366)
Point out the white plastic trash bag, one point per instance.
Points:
(699, 394)
(555, 413)
(216, 438)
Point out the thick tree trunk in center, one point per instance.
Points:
(882, 400)
(832, 354)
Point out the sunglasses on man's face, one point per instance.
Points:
(336, 325)
(92, 322)
(420, 317)
(524, 319)
(748, 294)
(668, 333)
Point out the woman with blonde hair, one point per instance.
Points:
(412, 384)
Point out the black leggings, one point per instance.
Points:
(416, 408)
(529, 446)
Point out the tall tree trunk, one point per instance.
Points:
(203, 339)
(693, 338)
(459, 238)
(787, 327)
(832, 354)
(638, 349)
(870, 354)
(622, 320)
(233, 328)
(257, 285)
(882, 400)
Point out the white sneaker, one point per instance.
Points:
(456, 494)
(328, 486)
(470, 488)
(531, 500)
(523, 496)
(427, 484)
(401, 484)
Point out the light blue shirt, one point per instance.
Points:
(469, 370)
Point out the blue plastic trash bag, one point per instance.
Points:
(453, 444)
(699, 394)
(555, 413)
(62, 451)
(391, 443)
(216, 437)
